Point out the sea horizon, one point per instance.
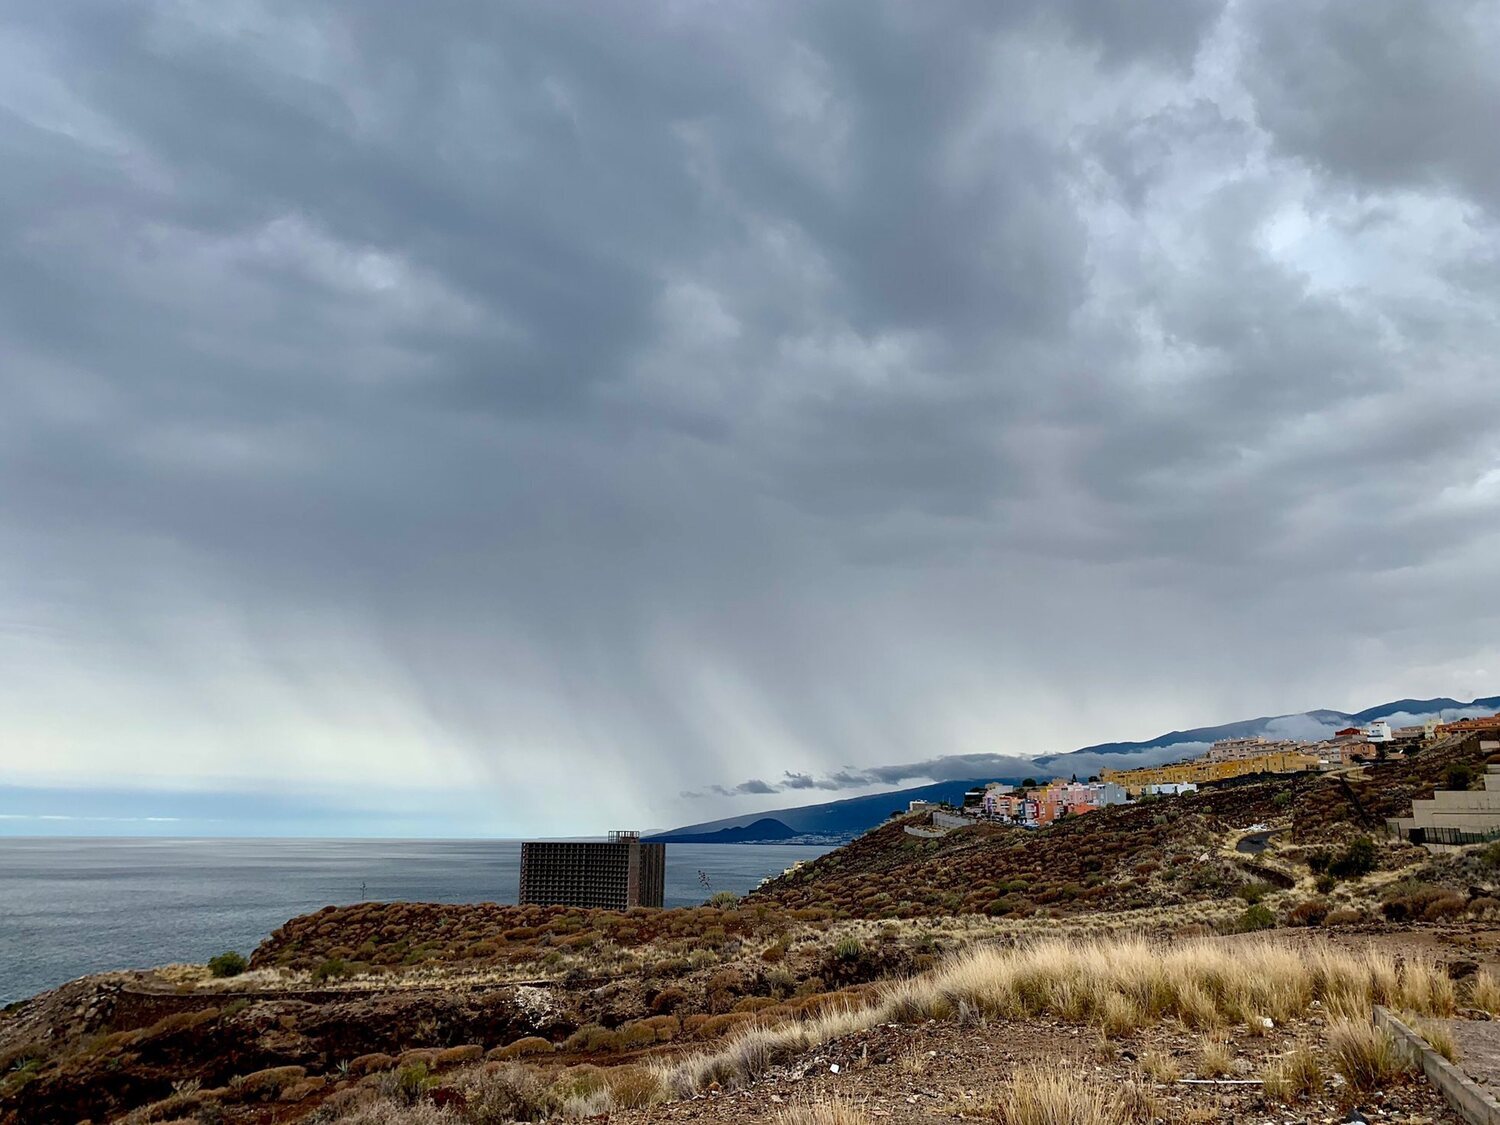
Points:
(82, 904)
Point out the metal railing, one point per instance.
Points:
(1451, 836)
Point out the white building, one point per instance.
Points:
(1379, 731)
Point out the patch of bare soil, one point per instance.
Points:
(1478, 1044)
(907, 1074)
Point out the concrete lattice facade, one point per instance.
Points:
(609, 876)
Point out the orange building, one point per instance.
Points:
(1465, 726)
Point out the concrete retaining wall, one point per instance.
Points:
(1468, 1100)
(925, 833)
(951, 820)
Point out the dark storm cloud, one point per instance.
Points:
(522, 397)
(1386, 94)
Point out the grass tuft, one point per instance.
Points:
(1484, 992)
(1367, 1056)
(1215, 1059)
(824, 1111)
(1038, 1095)
(1292, 1077)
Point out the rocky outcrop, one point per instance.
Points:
(93, 1067)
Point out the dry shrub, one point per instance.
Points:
(635, 1087)
(1137, 1103)
(372, 1063)
(1215, 1059)
(1447, 906)
(1484, 992)
(664, 1028)
(1293, 1076)
(1038, 1095)
(1309, 913)
(1365, 1055)
(824, 1111)
(592, 1039)
(1343, 916)
(582, 1091)
(453, 1056)
(1118, 1016)
(1427, 989)
(384, 1112)
(521, 1048)
(268, 1083)
(1160, 1066)
(913, 1060)
(634, 1035)
(1439, 1038)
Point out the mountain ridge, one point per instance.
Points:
(850, 816)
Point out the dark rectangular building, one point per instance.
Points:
(614, 876)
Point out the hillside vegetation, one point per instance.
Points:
(428, 1014)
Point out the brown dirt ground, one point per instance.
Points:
(909, 1074)
(1478, 1043)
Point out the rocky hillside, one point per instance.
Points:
(1147, 854)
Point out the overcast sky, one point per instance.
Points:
(500, 417)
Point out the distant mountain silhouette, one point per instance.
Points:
(765, 830)
(834, 818)
(853, 815)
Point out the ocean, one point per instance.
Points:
(75, 906)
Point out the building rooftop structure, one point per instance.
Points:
(613, 875)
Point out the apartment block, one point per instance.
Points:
(616, 875)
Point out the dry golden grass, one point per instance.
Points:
(1439, 1038)
(1195, 1115)
(1137, 1102)
(1427, 989)
(1365, 1055)
(1293, 1076)
(1116, 984)
(1038, 1095)
(1484, 992)
(913, 1060)
(1215, 1059)
(824, 1111)
(1160, 1066)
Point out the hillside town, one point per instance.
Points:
(1035, 805)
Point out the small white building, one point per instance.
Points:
(1379, 731)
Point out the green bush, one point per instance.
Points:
(1356, 860)
(1252, 893)
(331, 969)
(413, 1082)
(1459, 776)
(227, 964)
(1255, 918)
(724, 899)
(849, 949)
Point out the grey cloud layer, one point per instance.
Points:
(678, 394)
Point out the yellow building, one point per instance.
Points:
(1202, 770)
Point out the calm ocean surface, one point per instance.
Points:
(75, 906)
